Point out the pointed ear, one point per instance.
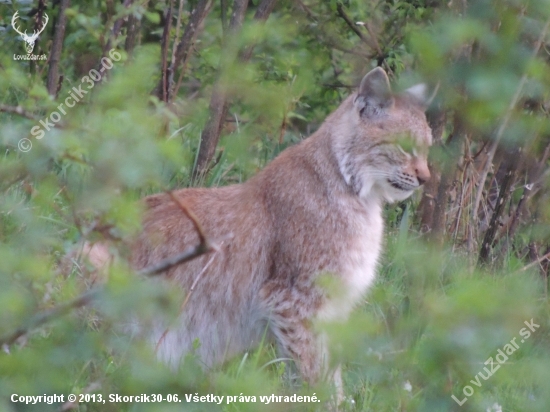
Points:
(419, 93)
(374, 95)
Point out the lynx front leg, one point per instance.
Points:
(289, 312)
(310, 353)
(296, 339)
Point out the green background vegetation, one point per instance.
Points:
(465, 262)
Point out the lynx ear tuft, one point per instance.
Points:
(374, 95)
(419, 93)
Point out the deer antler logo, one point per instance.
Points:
(29, 39)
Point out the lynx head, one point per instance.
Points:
(384, 138)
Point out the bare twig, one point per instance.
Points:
(18, 110)
(198, 277)
(117, 27)
(536, 262)
(307, 10)
(264, 9)
(203, 247)
(184, 304)
(342, 13)
(88, 296)
(178, 28)
(503, 125)
(48, 315)
(371, 41)
(168, 263)
(375, 40)
(262, 13)
(191, 216)
(503, 196)
(119, 22)
(165, 77)
(191, 253)
(198, 14)
(132, 30)
(218, 101)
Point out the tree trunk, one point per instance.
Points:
(57, 47)
(218, 102)
(436, 119)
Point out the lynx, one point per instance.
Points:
(316, 210)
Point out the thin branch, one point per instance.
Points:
(262, 14)
(374, 39)
(218, 101)
(528, 190)
(178, 28)
(372, 42)
(198, 277)
(198, 14)
(115, 32)
(117, 26)
(536, 262)
(132, 31)
(184, 304)
(264, 9)
(503, 125)
(48, 315)
(349, 22)
(168, 263)
(191, 216)
(503, 196)
(191, 253)
(88, 296)
(165, 78)
(307, 10)
(18, 110)
(203, 247)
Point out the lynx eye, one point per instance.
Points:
(407, 145)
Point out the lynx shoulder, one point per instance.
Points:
(316, 210)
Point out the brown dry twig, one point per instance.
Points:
(503, 126)
(183, 50)
(190, 215)
(372, 42)
(219, 101)
(351, 25)
(18, 110)
(190, 253)
(204, 246)
(534, 263)
(85, 298)
(189, 293)
(48, 315)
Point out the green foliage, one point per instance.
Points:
(432, 319)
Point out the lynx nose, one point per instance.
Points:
(422, 173)
(421, 180)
